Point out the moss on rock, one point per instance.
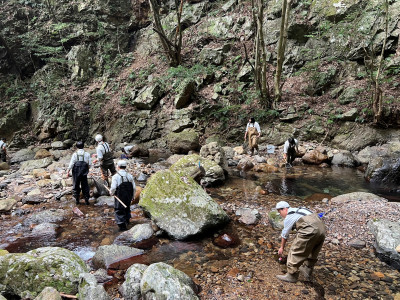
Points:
(27, 274)
(179, 205)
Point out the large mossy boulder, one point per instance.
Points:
(189, 166)
(27, 274)
(162, 281)
(179, 205)
(183, 142)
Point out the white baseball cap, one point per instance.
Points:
(121, 163)
(98, 138)
(282, 204)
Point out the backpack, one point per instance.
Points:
(108, 155)
(80, 168)
(124, 191)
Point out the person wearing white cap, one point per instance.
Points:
(105, 156)
(123, 186)
(307, 244)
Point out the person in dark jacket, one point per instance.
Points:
(79, 164)
(123, 186)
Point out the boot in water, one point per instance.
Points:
(288, 277)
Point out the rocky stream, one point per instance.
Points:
(237, 260)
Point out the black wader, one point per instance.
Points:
(125, 193)
(79, 176)
(291, 155)
(107, 162)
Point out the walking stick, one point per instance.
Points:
(122, 203)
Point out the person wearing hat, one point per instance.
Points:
(105, 156)
(79, 164)
(290, 149)
(253, 131)
(123, 186)
(126, 150)
(307, 244)
(3, 150)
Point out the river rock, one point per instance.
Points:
(42, 153)
(248, 216)
(229, 152)
(7, 204)
(45, 231)
(160, 279)
(214, 152)
(139, 151)
(189, 165)
(22, 155)
(109, 256)
(29, 165)
(183, 142)
(59, 145)
(385, 170)
(40, 173)
(48, 293)
(102, 276)
(314, 157)
(89, 289)
(387, 238)
(180, 206)
(356, 243)
(27, 274)
(4, 166)
(136, 234)
(345, 159)
(267, 168)
(130, 289)
(226, 240)
(105, 200)
(245, 164)
(275, 219)
(46, 216)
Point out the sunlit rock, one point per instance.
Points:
(160, 279)
(180, 206)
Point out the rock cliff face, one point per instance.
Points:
(71, 69)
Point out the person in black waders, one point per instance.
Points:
(79, 164)
(105, 156)
(290, 150)
(123, 186)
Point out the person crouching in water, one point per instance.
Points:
(79, 164)
(290, 149)
(123, 186)
(254, 132)
(308, 242)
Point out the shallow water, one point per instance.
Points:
(304, 181)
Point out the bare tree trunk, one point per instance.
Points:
(281, 49)
(260, 65)
(172, 48)
(378, 93)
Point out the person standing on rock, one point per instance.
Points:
(307, 244)
(123, 186)
(105, 156)
(290, 149)
(253, 131)
(79, 164)
(3, 150)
